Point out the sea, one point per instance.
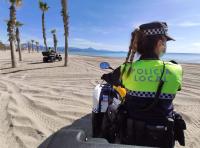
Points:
(179, 57)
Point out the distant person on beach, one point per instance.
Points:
(51, 50)
(151, 85)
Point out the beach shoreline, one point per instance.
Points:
(37, 98)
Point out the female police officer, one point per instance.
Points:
(151, 86)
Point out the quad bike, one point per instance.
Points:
(51, 56)
(108, 118)
(111, 120)
(68, 138)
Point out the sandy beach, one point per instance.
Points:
(37, 99)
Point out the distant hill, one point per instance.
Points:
(75, 49)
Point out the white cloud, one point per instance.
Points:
(189, 24)
(84, 43)
(196, 44)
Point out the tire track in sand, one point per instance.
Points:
(23, 114)
(31, 118)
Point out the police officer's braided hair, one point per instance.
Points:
(130, 47)
(133, 45)
(138, 36)
(132, 50)
(144, 45)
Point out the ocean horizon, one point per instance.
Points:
(179, 57)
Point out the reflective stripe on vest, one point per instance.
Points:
(145, 75)
(150, 95)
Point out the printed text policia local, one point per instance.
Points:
(151, 75)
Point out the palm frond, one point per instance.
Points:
(18, 2)
(43, 5)
(53, 31)
(12, 1)
(18, 24)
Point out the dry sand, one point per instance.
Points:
(37, 99)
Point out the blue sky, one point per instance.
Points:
(107, 24)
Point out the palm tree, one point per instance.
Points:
(32, 41)
(66, 32)
(18, 24)
(37, 46)
(44, 7)
(55, 41)
(28, 44)
(11, 29)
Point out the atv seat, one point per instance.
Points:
(47, 53)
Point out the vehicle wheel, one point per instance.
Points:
(52, 59)
(45, 60)
(97, 119)
(59, 58)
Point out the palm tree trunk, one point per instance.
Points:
(55, 42)
(44, 30)
(29, 48)
(37, 48)
(65, 21)
(11, 33)
(13, 58)
(32, 47)
(18, 44)
(19, 50)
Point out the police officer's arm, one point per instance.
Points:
(112, 78)
(180, 86)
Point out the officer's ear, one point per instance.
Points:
(158, 46)
(159, 43)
